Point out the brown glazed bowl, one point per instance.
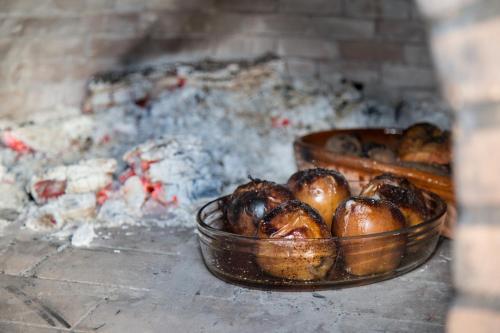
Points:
(310, 152)
(238, 259)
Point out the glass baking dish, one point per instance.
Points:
(294, 264)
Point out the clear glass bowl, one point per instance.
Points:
(314, 263)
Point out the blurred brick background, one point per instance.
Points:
(464, 39)
(49, 48)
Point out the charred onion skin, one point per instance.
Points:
(401, 192)
(250, 202)
(321, 189)
(425, 143)
(289, 253)
(360, 216)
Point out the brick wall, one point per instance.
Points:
(49, 48)
(464, 41)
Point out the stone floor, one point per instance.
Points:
(153, 280)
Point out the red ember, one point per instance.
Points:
(181, 82)
(15, 144)
(48, 189)
(103, 195)
(126, 175)
(277, 122)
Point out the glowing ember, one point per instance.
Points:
(277, 122)
(126, 175)
(103, 195)
(48, 189)
(145, 165)
(157, 192)
(181, 82)
(14, 143)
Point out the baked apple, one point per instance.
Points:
(295, 243)
(250, 202)
(425, 143)
(401, 192)
(344, 144)
(359, 216)
(379, 152)
(321, 189)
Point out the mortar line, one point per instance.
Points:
(55, 329)
(30, 270)
(88, 313)
(118, 286)
(100, 247)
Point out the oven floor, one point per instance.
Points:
(153, 280)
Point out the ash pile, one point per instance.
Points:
(149, 146)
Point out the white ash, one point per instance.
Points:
(365, 114)
(12, 196)
(66, 208)
(189, 132)
(12, 201)
(87, 176)
(115, 212)
(184, 166)
(134, 195)
(83, 236)
(52, 137)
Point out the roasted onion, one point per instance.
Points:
(425, 143)
(289, 251)
(401, 192)
(345, 144)
(250, 202)
(321, 189)
(359, 216)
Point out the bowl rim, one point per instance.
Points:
(205, 228)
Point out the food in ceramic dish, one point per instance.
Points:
(401, 192)
(359, 216)
(290, 254)
(379, 152)
(425, 143)
(419, 144)
(251, 202)
(322, 189)
(345, 144)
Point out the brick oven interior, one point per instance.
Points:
(120, 118)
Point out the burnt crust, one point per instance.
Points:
(255, 184)
(289, 207)
(250, 202)
(374, 203)
(401, 192)
(304, 177)
(401, 181)
(403, 197)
